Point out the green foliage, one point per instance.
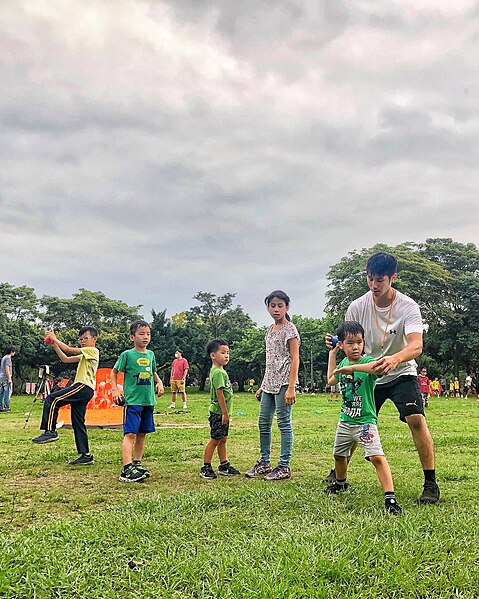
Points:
(87, 308)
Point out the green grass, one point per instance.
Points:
(72, 532)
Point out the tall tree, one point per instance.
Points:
(439, 274)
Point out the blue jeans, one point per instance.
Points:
(5, 392)
(271, 403)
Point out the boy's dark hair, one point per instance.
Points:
(214, 345)
(281, 295)
(349, 327)
(382, 264)
(10, 349)
(179, 351)
(88, 329)
(134, 326)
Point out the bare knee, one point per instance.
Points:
(417, 423)
(377, 460)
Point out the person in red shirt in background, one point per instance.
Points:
(424, 386)
(179, 370)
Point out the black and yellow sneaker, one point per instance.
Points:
(138, 466)
(130, 474)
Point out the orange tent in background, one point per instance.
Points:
(101, 410)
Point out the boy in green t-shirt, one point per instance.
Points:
(220, 408)
(139, 366)
(358, 418)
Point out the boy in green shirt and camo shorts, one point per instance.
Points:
(220, 409)
(139, 366)
(358, 418)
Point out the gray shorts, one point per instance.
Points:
(366, 435)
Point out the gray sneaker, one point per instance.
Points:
(259, 469)
(82, 460)
(46, 437)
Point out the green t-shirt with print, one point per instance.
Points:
(219, 380)
(139, 383)
(357, 391)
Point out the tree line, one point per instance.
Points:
(440, 274)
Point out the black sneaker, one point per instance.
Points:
(46, 437)
(138, 466)
(130, 474)
(207, 472)
(430, 493)
(82, 460)
(335, 488)
(331, 478)
(228, 470)
(393, 507)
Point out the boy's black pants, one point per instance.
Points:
(78, 395)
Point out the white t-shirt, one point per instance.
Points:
(405, 318)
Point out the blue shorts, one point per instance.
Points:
(138, 419)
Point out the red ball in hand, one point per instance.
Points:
(48, 341)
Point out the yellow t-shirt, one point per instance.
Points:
(87, 367)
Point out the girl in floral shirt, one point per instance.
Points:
(277, 389)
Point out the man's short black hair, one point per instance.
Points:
(137, 325)
(10, 349)
(349, 327)
(88, 329)
(382, 264)
(179, 351)
(214, 345)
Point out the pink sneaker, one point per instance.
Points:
(279, 473)
(258, 469)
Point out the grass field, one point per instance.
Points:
(72, 533)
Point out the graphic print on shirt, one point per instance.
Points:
(352, 402)
(143, 378)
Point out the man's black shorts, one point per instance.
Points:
(218, 430)
(404, 393)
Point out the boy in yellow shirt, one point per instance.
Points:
(78, 395)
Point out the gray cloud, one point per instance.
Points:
(154, 149)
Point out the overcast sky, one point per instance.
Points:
(154, 149)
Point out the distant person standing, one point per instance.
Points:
(179, 370)
(457, 387)
(467, 385)
(424, 386)
(443, 384)
(6, 382)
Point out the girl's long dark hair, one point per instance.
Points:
(281, 295)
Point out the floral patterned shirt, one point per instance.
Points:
(278, 358)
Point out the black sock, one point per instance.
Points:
(430, 475)
(208, 464)
(125, 466)
(342, 482)
(389, 495)
(225, 463)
